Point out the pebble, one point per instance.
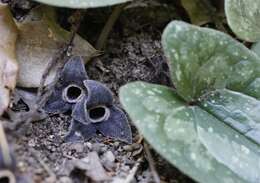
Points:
(128, 148)
(32, 143)
(65, 180)
(116, 144)
(78, 147)
(96, 147)
(89, 145)
(109, 156)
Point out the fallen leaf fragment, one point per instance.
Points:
(8, 64)
(21, 107)
(90, 165)
(40, 39)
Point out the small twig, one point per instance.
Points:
(101, 42)
(66, 51)
(140, 139)
(5, 147)
(61, 55)
(150, 160)
(132, 172)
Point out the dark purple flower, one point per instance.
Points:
(109, 121)
(97, 95)
(91, 103)
(69, 89)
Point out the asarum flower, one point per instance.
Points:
(91, 104)
(109, 121)
(69, 88)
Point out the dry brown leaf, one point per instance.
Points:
(39, 40)
(8, 64)
(91, 166)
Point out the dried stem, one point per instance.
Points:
(5, 148)
(132, 172)
(62, 54)
(151, 163)
(101, 42)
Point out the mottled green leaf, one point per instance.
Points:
(256, 48)
(243, 17)
(196, 142)
(217, 138)
(202, 60)
(82, 3)
(237, 110)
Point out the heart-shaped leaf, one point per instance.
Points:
(195, 141)
(209, 126)
(238, 110)
(256, 48)
(243, 18)
(82, 3)
(204, 60)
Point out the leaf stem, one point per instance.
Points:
(102, 40)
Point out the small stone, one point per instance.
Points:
(96, 147)
(21, 166)
(108, 160)
(50, 179)
(78, 147)
(128, 148)
(51, 136)
(116, 144)
(31, 143)
(125, 168)
(89, 145)
(103, 149)
(109, 156)
(65, 180)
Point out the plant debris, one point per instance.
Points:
(21, 107)
(8, 63)
(90, 166)
(40, 39)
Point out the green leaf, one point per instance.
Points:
(202, 60)
(218, 138)
(243, 18)
(82, 3)
(237, 110)
(196, 142)
(256, 48)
